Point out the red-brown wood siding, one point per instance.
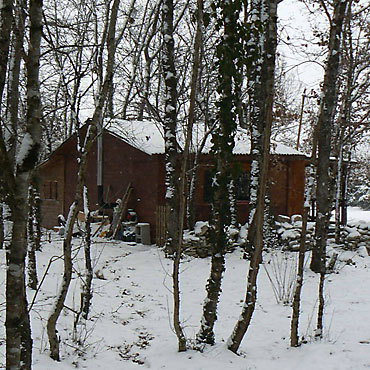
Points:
(52, 170)
(123, 163)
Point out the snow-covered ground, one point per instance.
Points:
(356, 214)
(130, 325)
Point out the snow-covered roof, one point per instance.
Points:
(148, 137)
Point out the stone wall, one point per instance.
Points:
(353, 236)
(287, 236)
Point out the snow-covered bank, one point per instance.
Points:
(130, 326)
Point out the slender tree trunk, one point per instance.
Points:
(173, 189)
(67, 242)
(13, 80)
(86, 294)
(325, 125)
(170, 125)
(18, 335)
(229, 53)
(183, 180)
(37, 217)
(31, 239)
(338, 195)
(294, 336)
(18, 331)
(148, 62)
(260, 69)
(320, 312)
(67, 248)
(6, 15)
(2, 226)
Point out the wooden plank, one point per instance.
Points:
(120, 213)
(161, 226)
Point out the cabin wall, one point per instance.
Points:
(296, 187)
(122, 164)
(51, 175)
(285, 182)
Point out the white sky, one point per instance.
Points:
(294, 22)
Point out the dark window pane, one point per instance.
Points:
(207, 188)
(242, 184)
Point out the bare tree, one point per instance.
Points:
(17, 173)
(89, 139)
(229, 54)
(325, 128)
(260, 72)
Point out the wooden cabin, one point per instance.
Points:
(133, 152)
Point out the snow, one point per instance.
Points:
(130, 322)
(149, 137)
(26, 146)
(358, 215)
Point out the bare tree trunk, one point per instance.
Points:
(18, 332)
(31, 238)
(229, 51)
(338, 194)
(18, 335)
(182, 205)
(173, 189)
(13, 80)
(148, 61)
(2, 226)
(325, 125)
(6, 15)
(320, 312)
(294, 336)
(67, 247)
(170, 125)
(260, 71)
(67, 242)
(86, 294)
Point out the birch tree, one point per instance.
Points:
(6, 15)
(17, 173)
(170, 127)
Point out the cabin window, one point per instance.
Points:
(51, 190)
(207, 188)
(242, 184)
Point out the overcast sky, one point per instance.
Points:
(295, 23)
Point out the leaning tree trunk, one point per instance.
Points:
(170, 125)
(260, 70)
(228, 53)
(67, 242)
(325, 127)
(67, 247)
